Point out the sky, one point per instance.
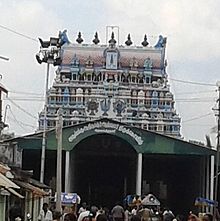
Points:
(192, 29)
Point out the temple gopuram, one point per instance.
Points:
(122, 82)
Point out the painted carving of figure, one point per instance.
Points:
(57, 79)
(106, 77)
(161, 42)
(105, 106)
(148, 64)
(92, 106)
(119, 107)
(63, 37)
(133, 63)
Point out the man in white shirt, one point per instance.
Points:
(82, 208)
(45, 214)
(83, 214)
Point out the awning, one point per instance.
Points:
(15, 193)
(38, 184)
(35, 190)
(5, 182)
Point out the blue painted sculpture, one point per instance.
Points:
(161, 42)
(63, 37)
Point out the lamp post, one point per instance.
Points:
(217, 152)
(49, 53)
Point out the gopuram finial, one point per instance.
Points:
(129, 42)
(79, 39)
(112, 41)
(145, 43)
(96, 39)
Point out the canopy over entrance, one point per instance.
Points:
(142, 141)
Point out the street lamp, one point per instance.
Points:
(50, 53)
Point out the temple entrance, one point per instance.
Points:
(105, 169)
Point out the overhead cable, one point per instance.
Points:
(199, 117)
(192, 82)
(22, 109)
(18, 33)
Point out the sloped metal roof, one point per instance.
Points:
(143, 141)
(5, 182)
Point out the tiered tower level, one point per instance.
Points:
(124, 83)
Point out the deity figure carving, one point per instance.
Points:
(134, 63)
(105, 106)
(161, 42)
(148, 64)
(119, 107)
(92, 107)
(63, 37)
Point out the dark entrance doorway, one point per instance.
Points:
(105, 169)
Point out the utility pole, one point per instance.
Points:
(45, 127)
(217, 152)
(59, 128)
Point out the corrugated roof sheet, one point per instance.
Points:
(35, 190)
(5, 182)
(15, 193)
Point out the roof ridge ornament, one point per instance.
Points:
(63, 37)
(145, 42)
(79, 40)
(96, 39)
(129, 42)
(161, 42)
(112, 41)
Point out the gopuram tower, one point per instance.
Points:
(125, 83)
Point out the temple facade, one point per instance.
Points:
(125, 83)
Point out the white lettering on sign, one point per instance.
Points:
(106, 127)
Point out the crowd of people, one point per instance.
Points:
(118, 213)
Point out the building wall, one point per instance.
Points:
(2, 207)
(10, 154)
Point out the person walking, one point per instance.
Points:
(45, 213)
(118, 213)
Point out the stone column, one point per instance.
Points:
(67, 172)
(139, 174)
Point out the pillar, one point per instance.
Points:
(139, 174)
(207, 180)
(67, 174)
(212, 177)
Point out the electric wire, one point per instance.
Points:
(196, 92)
(18, 33)
(197, 118)
(22, 109)
(24, 92)
(192, 82)
(24, 124)
(18, 123)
